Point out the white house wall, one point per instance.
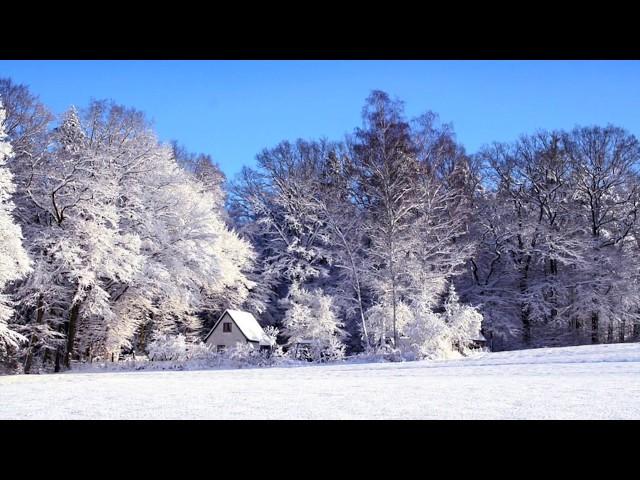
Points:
(229, 339)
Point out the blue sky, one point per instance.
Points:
(234, 109)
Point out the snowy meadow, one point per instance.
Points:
(587, 382)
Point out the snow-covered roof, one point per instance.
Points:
(480, 338)
(248, 325)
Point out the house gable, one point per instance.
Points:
(249, 330)
(217, 328)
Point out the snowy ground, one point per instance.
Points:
(599, 382)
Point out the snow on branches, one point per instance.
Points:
(14, 262)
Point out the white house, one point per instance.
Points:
(235, 326)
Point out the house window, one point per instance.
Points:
(221, 348)
(226, 327)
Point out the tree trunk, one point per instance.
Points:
(553, 268)
(45, 357)
(56, 368)
(360, 308)
(621, 333)
(141, 338)
(356, 283)
(393, 294)
(526, 325)
(393, 301)
(364, 323)
(71, 334)
(39, 317)
(595, 325)
(524, 315)
(524, 286)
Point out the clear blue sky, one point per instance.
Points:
(234, 109)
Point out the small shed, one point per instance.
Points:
(236, 326)
(479, 341)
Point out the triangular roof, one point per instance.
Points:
(480, 337)
(247, 324)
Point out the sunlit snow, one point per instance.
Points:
(588, 382)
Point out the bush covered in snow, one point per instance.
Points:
(463, 323)
(423, 333)
(379, 322)
(177, 349)
(175, 352)
(245, 355)
(441, 335)
(172, 356)
(310, 321)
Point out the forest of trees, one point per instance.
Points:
(393, 239)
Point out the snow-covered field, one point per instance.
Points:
(599, 382)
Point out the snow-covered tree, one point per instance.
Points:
(27, 126)
(463, 322)
(431, 334)
(80, 243)
(412, 183)
(310, 321)
(349, 245)
(605, 163)
(276, 208)
(374, 221)
(552, 231)
(378, 317)
(189, 255)
(387, 168)
(14, 261)
(123, 240)
(344, 226)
